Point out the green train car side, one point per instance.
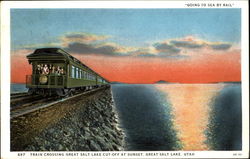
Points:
(54, 70)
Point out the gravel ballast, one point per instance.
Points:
(83, 124)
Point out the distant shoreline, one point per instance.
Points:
(236, 82)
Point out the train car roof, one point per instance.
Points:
(58, 52)
(48, 52)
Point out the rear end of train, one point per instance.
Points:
(49, 72)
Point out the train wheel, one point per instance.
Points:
(71, 93)
(62, 92)
(66, 92)
(83, 88)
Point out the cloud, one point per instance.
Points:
(146, 55)
(87, 43)
(221, 46)
(81, 37)
(166, 48)
(90, 49)
(191, 42)
(186, 44)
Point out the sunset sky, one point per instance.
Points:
(134, 45)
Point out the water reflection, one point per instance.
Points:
(180, 116)
(145, 117)
(225, 122)
(190, 106)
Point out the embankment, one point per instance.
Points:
(86, 123)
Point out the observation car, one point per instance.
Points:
(55, 71)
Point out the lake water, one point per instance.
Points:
(16, 88)
(177, 116)
(180, 116)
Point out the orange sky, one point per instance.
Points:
(203, 68)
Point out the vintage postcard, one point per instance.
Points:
(124, 79)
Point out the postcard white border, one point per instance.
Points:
(5, 73)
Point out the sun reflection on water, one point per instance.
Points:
(191, 107)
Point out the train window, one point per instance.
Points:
(99, 79)
(77, 75)
(80, 74)
(84, 76)
(73, 72)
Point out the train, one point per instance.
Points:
(56, 72)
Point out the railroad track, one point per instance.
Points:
(18, 100)
(17, 95)
(23, 103)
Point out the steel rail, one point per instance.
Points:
(31, 109)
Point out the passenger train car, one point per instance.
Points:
(55, 71)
